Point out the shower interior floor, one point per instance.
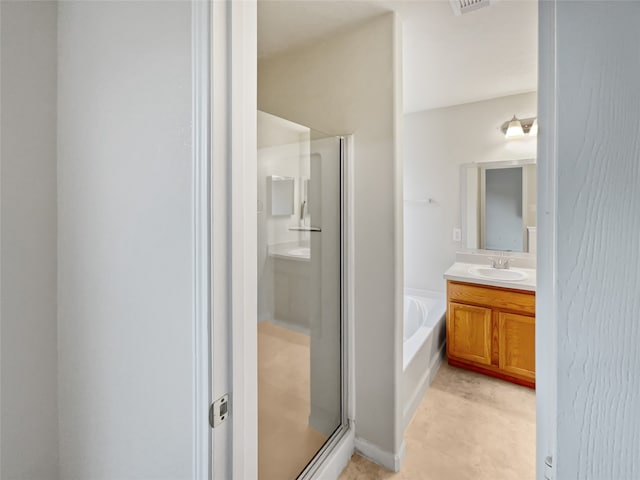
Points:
(286, 443)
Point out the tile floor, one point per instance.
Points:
(285, 441)
(468, 427)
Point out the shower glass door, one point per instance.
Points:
(299, 295)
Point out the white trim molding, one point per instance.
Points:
(220, 238)
(201, 231)
(546, 294)
(242, 21)
(390, 461)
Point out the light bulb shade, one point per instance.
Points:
(514, 129)
(533, 131)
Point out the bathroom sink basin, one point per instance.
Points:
(300, 252)
(498, 274)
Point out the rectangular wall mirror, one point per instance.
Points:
(498, 206)
(282, 191)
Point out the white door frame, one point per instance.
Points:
(224, 46)
(546, 290)
(201, 310)
(242, 109)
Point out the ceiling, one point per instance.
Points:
(447, 59)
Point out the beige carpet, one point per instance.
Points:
(468, 427)
(285, 441)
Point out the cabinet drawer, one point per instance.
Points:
(492, 297)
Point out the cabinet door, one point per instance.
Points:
(469, 333)
(517, 334)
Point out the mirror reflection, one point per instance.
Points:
(282, 190)
(498, 202)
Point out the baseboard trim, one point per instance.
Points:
(388, 460)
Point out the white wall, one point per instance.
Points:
(125, 240)
(436, 143)
(319, 87)
(596, 236)
(28, 360)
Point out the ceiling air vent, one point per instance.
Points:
(465, 6)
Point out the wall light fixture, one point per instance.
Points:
(519, 127)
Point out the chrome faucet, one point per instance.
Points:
(501, 262)
(302, 207)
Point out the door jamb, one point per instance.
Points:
(242, 113)
(546, 270)
(201, 258)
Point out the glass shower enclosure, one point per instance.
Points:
(300, 301)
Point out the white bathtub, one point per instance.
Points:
(423, 345)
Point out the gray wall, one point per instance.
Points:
(598, 231)
(28, 359)
(319, 87)
(125, 243)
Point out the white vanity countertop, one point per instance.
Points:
(461, 272)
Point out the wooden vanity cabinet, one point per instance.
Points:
(491, 330)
